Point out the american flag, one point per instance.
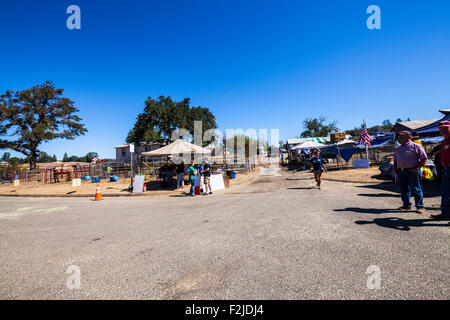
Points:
(364, 139)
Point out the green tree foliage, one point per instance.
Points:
(234, 145)
(148, 135)
(386, 126)
(317, 128)
(91, 155)
(162, 116)
(36, 115)
(44, 157)
(87, 158)
(6, 156)
(14, 162)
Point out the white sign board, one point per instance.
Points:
(138, 184)
(131, 148)
(216, 181)
(360, 163)
(76, 182)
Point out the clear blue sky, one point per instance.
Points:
(255, 64)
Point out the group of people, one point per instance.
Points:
(409, 157)
(169, 170)
(202, 170)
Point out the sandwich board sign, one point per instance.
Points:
(138, 184)
(216, 182)
(76, 182)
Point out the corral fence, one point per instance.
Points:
(65, 173)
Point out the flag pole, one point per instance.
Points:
(367, 147)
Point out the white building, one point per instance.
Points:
(123, 151)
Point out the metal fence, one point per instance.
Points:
(65, 173)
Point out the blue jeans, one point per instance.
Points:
(192, 191)
(445, 192)
(410, 182)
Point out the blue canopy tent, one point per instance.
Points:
(432, 129)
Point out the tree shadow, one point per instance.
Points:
(368, 210)
(402, 224)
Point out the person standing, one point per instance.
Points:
(318, 164)
(180, 175)
(436, 154)
(444, 130)
(170, 171)
(206, 177)
(409, 157)
(192, 172)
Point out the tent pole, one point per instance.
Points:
(339, 156)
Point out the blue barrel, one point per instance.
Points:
(95, 179)
(86, 178)
(114, 179)
(233, 176)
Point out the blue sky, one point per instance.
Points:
(255, 64)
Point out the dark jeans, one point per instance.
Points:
(410, 182)
(445, 192)
(169, 175)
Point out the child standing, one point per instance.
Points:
(318, 167)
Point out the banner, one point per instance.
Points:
(346, 153)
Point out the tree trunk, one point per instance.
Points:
(32, 159)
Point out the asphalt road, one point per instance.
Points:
(274, 238)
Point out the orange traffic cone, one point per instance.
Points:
(98, 194)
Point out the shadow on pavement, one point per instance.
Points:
(368, 210)
(379, 195)
(301, 188)
(402, 224)
(429, 189)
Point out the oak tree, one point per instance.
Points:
(32, 116)
(162, 116)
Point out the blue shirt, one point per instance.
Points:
(317, 163)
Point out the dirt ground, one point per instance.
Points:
(106, 188)
(370, 176)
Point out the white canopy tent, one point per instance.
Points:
(176, 148)
(309, 144)
(346, 141)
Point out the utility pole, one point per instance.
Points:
(131, 153)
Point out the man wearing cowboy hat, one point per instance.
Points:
(444, 130)
(408, 158)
